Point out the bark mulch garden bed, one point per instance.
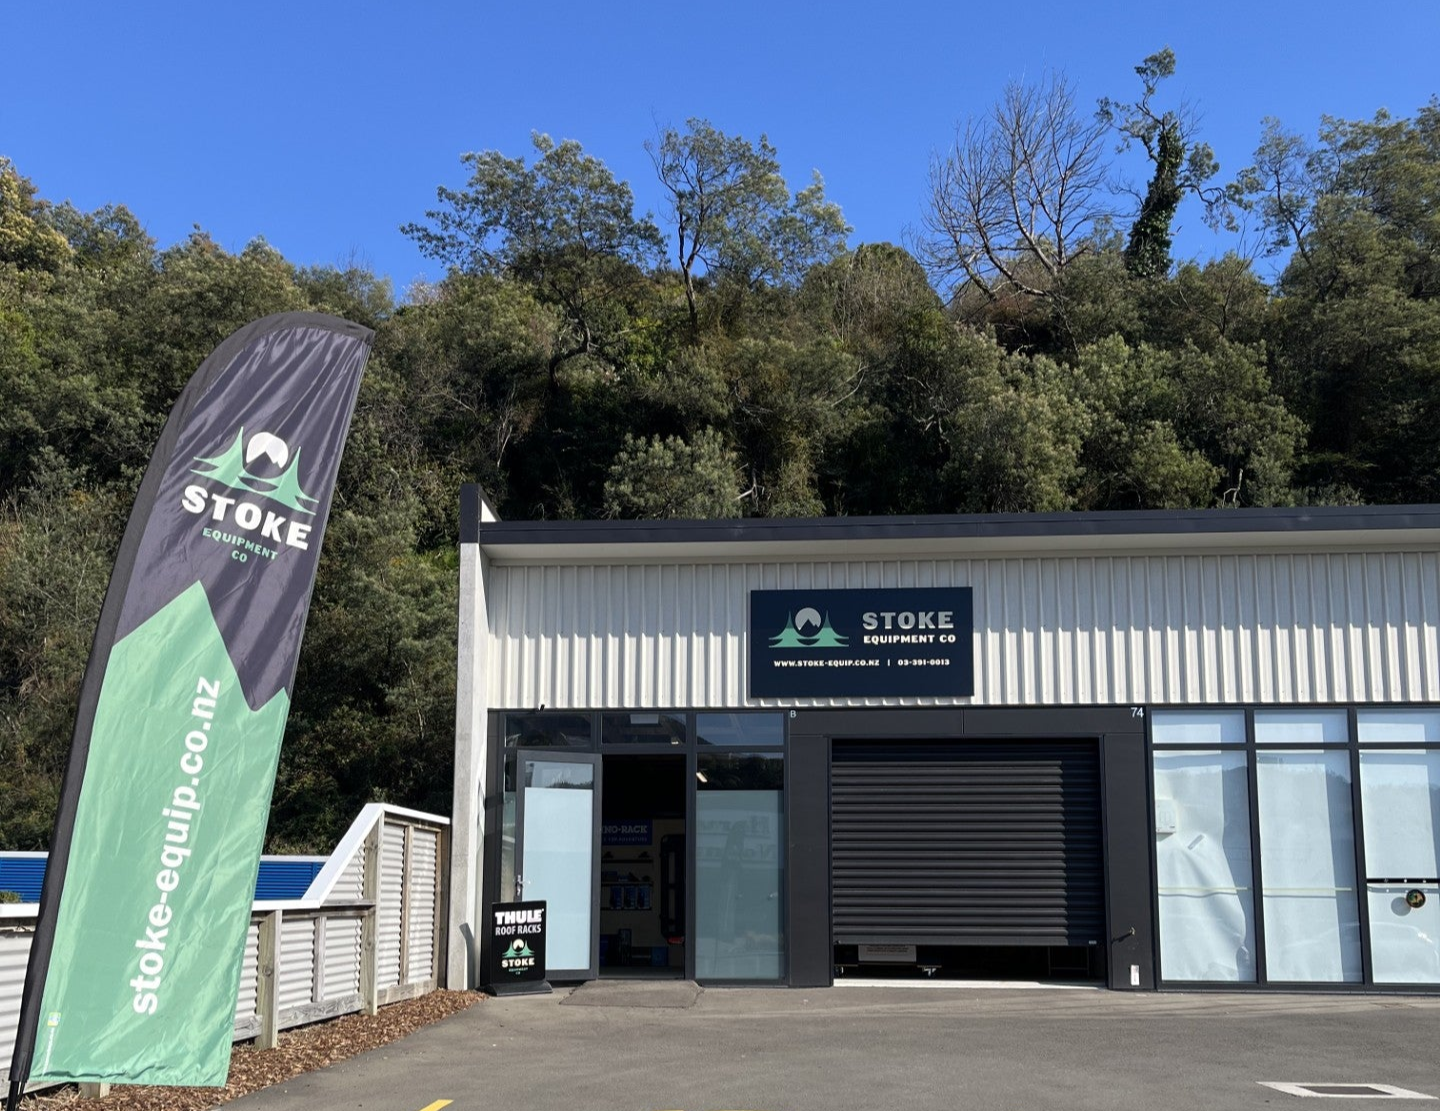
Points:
(301, 1050)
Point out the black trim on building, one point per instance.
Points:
(978, 526)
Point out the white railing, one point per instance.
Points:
(370, 930)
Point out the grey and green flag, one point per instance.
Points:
(134, 971)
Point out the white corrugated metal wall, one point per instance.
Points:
(420, 904)
(342, 958)
(1085, 630)
(249, 975)
(14, 956)
(392, 863)
(296, 985)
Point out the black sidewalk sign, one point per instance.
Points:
(517, 949)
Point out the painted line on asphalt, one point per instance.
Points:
(439, 1103)
(1348, 1090)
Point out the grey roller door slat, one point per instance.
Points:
(949, 843)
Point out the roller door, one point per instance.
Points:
(953, 843)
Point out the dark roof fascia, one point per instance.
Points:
(988, 526)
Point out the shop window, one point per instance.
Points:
(548, 730)
(750, 730)
(1396, 727)
(643, 729)
(1202, 854)
(1311, 727)
(1307, 862)
(1198, 728)
(740, 866)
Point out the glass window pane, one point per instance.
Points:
(1202, 853)
(1312, 727)
(1400, 793)
(1307, 860)
(1399, 726)
(559, 859)
(1403, 937)
(1198, 727)
(740, 866)
(740, 729)
(548, 730)
(642, 729)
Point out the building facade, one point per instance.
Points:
(1154, 749)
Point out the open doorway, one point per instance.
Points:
(642, 866)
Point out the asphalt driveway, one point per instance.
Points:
(618, 1046)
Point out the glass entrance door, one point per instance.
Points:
(558, 827)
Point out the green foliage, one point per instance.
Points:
(733, 213)
(27, 241)
(1180, 164)
(1356, 330)
(657, 479)
(56, 549)
(374, 712)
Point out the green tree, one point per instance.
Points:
(1182, 428)
(671, 478)
(1015, 436)
(1356, 330)
(1180, 165)
(733, 213)
(57, 546)
(373, 718)
(27, 241)
(563, 225)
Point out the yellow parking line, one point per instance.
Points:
(439, 1103)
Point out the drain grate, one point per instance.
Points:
(1345, 1091)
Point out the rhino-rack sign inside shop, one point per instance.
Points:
(517, 948)
(861, 643)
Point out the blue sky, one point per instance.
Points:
(325, 126)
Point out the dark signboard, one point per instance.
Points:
(914, 642)
(517, 948)
(637, 831)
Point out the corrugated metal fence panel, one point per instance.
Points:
(424, 874)
(14, 955)
(23, 873)
(297, 962)
(249, 974)
(350, 887)
(342, 957)
(279, 877)
(954, 843)
(392, 865)
(1103, 630)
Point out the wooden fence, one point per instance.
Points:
(370, 930)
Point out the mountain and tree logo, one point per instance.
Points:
(805, 628)
(519, 956)
(232, 469)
